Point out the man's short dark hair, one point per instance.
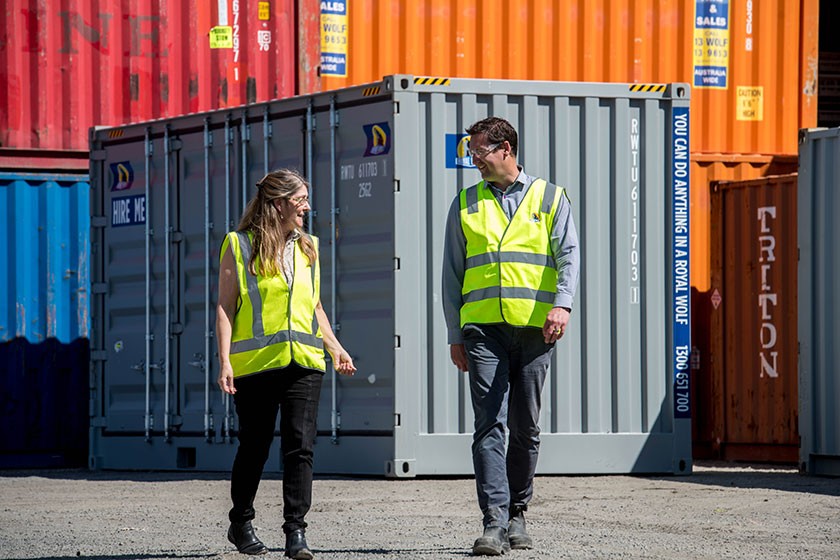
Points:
(497, 130)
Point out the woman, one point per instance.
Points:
(272, 330)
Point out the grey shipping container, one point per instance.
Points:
(385, 160)
(819, 308)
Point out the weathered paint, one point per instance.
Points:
(67, 66)
(707, 169)
(44, 256)
(754, 349)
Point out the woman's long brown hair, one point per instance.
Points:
(262, 218)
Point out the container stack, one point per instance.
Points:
(61, 73)
(753, 71)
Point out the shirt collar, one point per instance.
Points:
(517, 183)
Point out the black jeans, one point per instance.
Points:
(295, 391)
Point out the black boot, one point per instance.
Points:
(296, 546)
(493, 542)
(517, 535)
(244, 539)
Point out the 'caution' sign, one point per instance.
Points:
(750, 103)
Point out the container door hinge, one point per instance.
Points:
(396, 107)
(98, 422)
(98, 221)
(396, 185)
(396, 341)
(98, 155)
(99, 288)
(397, 419)
(98, 355)
(396, 263)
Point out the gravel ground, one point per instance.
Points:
(720, 511)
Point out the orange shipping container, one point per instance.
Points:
(68, 65)
(753, 403)
(767, 51)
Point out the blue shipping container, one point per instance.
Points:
(44, 257)
(44, 319)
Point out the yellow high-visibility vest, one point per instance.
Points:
(510, 274)
(274, 325)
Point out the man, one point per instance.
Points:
(510, 270)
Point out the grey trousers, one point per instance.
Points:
(508, 366)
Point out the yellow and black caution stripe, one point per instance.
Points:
(368, 91)
(658, 88)
(115, 133)
(427, 81)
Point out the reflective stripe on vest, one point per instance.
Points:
(274, 325)
(510, 274)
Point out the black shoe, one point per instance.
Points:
(493, 542)
(296, 546)
(517, 535)
(244, 539)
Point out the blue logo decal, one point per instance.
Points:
(378, 139)
(338, 8)
(710, 76)
(122, 175)
(458, 151)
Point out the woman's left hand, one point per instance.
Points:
(343, 363)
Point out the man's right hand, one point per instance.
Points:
(459, 356)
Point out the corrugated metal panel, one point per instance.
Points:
(44, 403)
(753, 328)
(770, 47)
(708, 169)
(819, 307)
(616, 399)
(45, 254)
(66, 66)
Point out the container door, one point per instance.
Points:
(754, 326)
(134, 270)
(213, 191)
(357, 264)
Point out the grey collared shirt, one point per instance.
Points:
(564, 246)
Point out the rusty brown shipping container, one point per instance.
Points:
(708, 169)
(751, 386)
(765, 53)
(67, 65)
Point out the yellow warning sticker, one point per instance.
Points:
(221, 37)
(750, 103)
(263, 11)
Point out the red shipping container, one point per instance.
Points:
(68, 65)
